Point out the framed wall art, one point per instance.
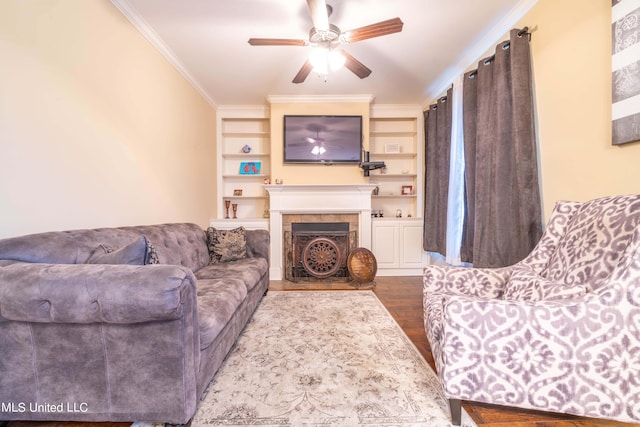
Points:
(625, 66)
(392, 147)
(249, 168)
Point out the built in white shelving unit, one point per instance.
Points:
(393, 138)
(239, 127)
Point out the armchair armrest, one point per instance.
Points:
(81, 293)
(479, 282)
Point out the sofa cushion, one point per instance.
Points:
(138, 252)
(218, 300)
(249, 270)
(226, 245)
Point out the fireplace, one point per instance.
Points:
(317, 203)
(317, 251)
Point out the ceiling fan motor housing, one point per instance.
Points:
(321, 37)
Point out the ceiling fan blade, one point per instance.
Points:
(319, 14)
(303, 73)
(277, 42)
(383, 28)
(355, 66)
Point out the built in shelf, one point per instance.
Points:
(409, 155)
(245, 176)
(393, 175)
(244, 155)
(394, 218)
(246, 134)
(244, 197)
(394, 196)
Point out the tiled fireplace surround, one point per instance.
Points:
(316, 203)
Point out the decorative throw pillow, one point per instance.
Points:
(226, 245)
(138, 252)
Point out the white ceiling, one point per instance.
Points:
(206, 40)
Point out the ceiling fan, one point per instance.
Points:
(327, 37)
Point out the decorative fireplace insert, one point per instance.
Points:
(318, 251)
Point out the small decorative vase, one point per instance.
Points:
(246, 149)
(235, 210)
(226, 206)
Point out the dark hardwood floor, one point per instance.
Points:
(402, 296)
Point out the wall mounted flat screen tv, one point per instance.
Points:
(322, 139)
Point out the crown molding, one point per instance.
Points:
(484, 42)
(244, 110)
(395, 110)
(310, 99)
(145, 29)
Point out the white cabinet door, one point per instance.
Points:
(397, 246)
(385, 244)
(411, 253)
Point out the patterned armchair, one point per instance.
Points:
(558, 331)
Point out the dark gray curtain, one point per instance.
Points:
(437, 131)
(504, 219)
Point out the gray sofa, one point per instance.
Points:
(110, 341)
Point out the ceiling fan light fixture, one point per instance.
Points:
(336, 60)
(324, 60)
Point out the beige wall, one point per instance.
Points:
(96, 127)
(571, 51)
(314, 174)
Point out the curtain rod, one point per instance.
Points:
(487, 61)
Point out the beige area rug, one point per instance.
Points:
(330, 358)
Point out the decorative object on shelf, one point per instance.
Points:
(381, 213)
(398, 213)
(279, 181)
(407, 190)
(267, 181)
(246, 149)
(376, 191)
(235, 210)
(227, 203)
(237, 192)
(392, 147)
(250, 168)
(362, 265)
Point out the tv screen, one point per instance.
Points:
(322, 139)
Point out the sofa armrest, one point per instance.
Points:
(258, 243)
(81, 293)
(479, 282)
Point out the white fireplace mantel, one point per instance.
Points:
(316, 199)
